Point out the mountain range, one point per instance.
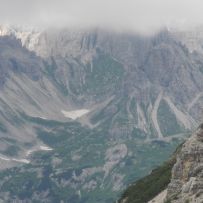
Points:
(84, 113)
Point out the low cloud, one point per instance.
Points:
(135, 15)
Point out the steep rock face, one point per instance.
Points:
(148, 76)
(141, 95)
(16, 59)
(154, 63)
(28, 36)
(187, 174)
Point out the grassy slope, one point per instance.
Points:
(148, 187)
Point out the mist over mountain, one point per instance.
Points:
(85, 112)
(146, 17)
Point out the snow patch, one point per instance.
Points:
(75, 114)
(41, 148)
(45, 148)
(4, 158)
(25, 161)
(16, 160)
(43, 118)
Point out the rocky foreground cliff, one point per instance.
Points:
(187, 174)
(185, 177)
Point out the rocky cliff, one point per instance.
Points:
(187, 174)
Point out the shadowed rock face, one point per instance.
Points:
(16, 59)
(187, 175)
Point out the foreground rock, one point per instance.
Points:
(187, 174)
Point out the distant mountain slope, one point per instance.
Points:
(187, 175)
(94, 108)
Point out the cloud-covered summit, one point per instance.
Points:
(137, 15)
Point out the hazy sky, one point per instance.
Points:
(138, 15)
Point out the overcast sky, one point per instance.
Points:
(138, 15)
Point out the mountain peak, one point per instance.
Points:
(28, 36)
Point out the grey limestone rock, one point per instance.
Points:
(187, 175)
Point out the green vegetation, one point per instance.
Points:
(75, 166)
(22, 185)
(148, 187)
(11, 150)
